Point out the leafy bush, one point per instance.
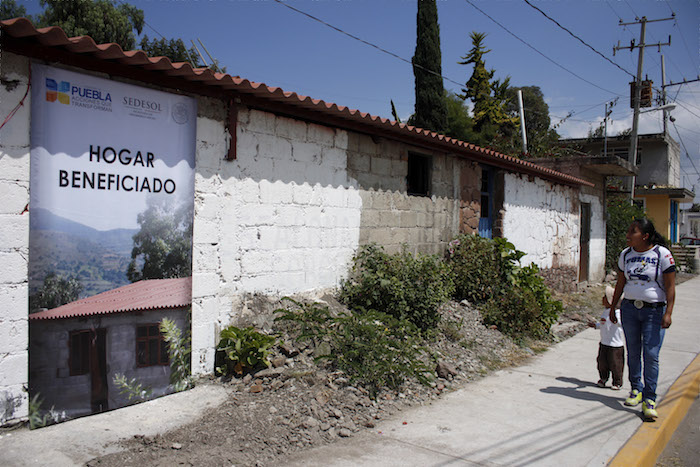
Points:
(620, 215)
(515, 313)
(179, 350)
(527, 278)
(489, 272)
(477, 267)
(401, 285)
(242, 350)
(372, 348)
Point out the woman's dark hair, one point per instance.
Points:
(647, 227)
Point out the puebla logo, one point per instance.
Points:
(57, 91)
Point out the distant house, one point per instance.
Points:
(78, 348)
(657, 183)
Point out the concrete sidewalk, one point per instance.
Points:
(548, 412)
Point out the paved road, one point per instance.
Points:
(683, 450)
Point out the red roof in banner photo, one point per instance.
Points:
(52, 44)
(152, 294)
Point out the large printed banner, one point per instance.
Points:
(111, 207)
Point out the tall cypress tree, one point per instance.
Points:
(431, 111)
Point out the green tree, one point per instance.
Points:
(56, 291)
(164, 243)
(9, 9)
(103, 20)
(427, 70)
(491, 116)
(459, 124)
(174, 49)
(621, 213)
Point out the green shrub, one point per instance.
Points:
(373, 349)
(620, 215)
(515, 313)
(242, 350)
(401, 285)
(489, 272)
(477, 266)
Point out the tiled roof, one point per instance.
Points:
(153, 294)
(52, 44)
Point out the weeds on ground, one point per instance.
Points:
(372, 348)
(243, 350)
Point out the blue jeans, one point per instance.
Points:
(643, 336)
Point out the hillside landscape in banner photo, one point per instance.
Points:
(98, 259)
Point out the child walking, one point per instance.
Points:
(611, 351)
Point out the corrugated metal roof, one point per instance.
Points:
(152, 294)
(46, 43)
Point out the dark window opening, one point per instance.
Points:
(151, 348)
(79, 360)
(418, 179)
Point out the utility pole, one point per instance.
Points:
(522, 120)
(638, 83)
(663, 94)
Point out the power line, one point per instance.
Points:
(367, 42)
(686, 149)
(577, 38)
(540, 53)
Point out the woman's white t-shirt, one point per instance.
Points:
(644, 272)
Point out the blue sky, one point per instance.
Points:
(265, 41)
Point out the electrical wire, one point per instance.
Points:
(540, 53)
(381, 49)
(686, 149)
(578, 38)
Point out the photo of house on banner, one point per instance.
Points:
(110, 243)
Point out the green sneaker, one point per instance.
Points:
(634, 399)
(649, 409)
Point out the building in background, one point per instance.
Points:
(657, 185)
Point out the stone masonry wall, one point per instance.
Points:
(14, 238)
(542, 219)
(390, 216)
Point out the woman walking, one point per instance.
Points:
(647, 276)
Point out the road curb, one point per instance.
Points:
(650, 439)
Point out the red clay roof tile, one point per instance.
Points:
(55, 38)
(153, 294)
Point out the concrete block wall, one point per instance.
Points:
(391, 217)
(282, 218)
(542, 219)
(14, 238)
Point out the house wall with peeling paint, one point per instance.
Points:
(542, 219)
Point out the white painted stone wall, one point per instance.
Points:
(539, 220)
(282, 218)
(596, 258)
(14, 238)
